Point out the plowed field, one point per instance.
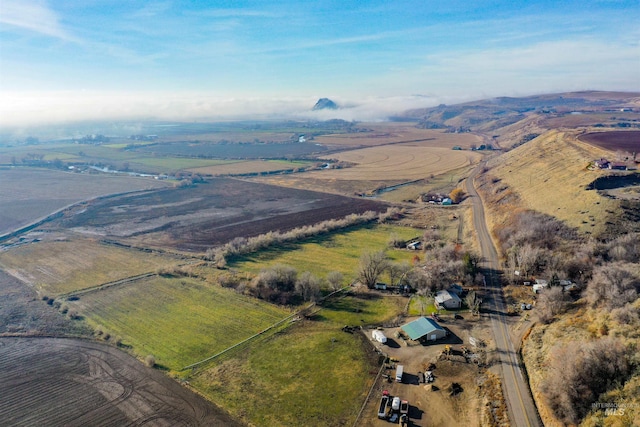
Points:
(197, 218)
(614, 140)
(51, 382)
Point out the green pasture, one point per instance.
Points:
(180, 321)
(361, 309)
(314, 375)
(338, 251)
(177, 163)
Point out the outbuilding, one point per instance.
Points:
(424, 328)
(447, 300)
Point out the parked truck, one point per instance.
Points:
(399, 372)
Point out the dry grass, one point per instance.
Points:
(386, 133)
(403, 162)
(59, 267)
(549, 175)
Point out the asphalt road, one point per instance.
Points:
(522, 410)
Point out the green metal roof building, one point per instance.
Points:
(424, 327)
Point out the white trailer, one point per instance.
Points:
(379, 336)
(399, 372)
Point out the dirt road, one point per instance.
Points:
(522, 410)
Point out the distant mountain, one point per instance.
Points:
(325, 104)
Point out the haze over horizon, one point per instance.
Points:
(178, 60)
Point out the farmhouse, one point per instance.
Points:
(447, 300)
(424, 328)
(602, 163)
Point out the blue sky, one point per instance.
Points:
(79, 59)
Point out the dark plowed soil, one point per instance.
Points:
(197, 218)
(614, 140)
(64, 382)
(22, 311)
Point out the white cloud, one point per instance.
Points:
(546, 66)
(33, 16)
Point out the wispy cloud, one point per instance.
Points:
(33, 16)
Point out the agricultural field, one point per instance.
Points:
(199, 217)
(23, 312)
(28, 194)
(49, 381)
(60, 266)
(628, 141)
(318, 376)
(396, 133)
(390, 155)
(333, 252)
(249, 150)
(179, 321)
(249, 167)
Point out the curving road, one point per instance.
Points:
(522, 410)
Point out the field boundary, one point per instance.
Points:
(107, 285)
(278, 323)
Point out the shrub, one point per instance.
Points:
(150, 361)
(612, 286)
(579, 372)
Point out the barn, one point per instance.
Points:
(424, 328)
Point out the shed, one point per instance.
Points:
(424, 327)
(447, 300)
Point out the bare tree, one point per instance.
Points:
(308, 286)
(579, 372)
(398, 272)
(372, 265)
(335, 279)
(473, 302)
(613, 285)
(551, 302)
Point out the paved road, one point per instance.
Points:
(522, 410)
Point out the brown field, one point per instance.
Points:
(22, 312)
(404, 162)
(27, 194)
(394, 133)
(46, 381)
(391, 154)
(245, 167)
(614, 140)
(380, 167)
(200, 217)
(63, 266)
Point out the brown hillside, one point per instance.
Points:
(550, 173)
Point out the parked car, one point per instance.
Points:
(404, 407)
(395, 404)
